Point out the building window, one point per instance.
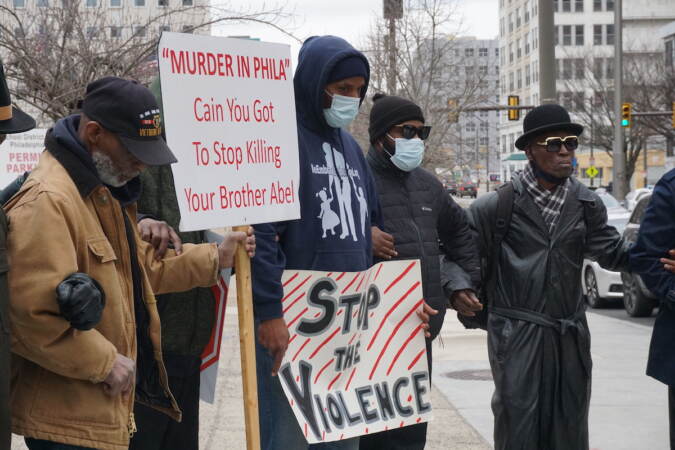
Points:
(578, 5)
(19, 4)
(528, 76)
(187, 29)
(496, 52)
(482, 52)
(163, 3)
(579, 35)
(566, 69)
(115, 32)
(526, 12)
(511, 52)
(470, 127)
(556, 35)
(579, 68)
(188, 2)
(115, 3)
(468, 70)
(468, 52)
(578, 101)
(518, 22)
(610, 5)
(92, 3)
(535, 38)
(566, 5)
(556, 5)
(19, 33)
(567, 35)
(92, 32)
(597, 69)
(471, 142)
(484, 126)
(610, 34)
(519, 53)
(483, 70)
(42, 3)
(501, 27)
(140, 31)
(520, 78)
(610, 67)
(510, 22)
(484, 141)
(511, 82)
(597, 5)
(597, 34)
(139, 2)
(527, 43)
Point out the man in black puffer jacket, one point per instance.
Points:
(421, 221)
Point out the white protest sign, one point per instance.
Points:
(20, 153)
(356, 362)
(229, 113)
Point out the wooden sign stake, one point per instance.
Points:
(242, 264)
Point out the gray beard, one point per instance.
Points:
(107, 171)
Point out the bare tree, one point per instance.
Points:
(426, 69)
(51, 52)
(588, 93)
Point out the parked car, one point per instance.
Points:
(637, 299)
(451, 187)
(601, 286)
(467, 190)
(633, 197)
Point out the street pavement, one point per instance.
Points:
(222, 423)
(628, 409)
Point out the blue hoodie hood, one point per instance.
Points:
(318, 56)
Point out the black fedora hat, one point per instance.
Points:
(12, 119)
(549, 117)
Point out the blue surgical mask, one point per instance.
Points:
(408, 153)
(342, 110)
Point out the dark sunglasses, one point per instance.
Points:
(554, 144)
(410, 131)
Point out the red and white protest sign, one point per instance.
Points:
(20, 153)
(229, 112)
(356, 362)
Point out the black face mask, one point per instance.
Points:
(539, 173)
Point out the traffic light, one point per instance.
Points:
(625, 114)
(453, 113)
(514, 114)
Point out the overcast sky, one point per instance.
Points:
(351, 19)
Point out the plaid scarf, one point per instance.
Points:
(550, 203)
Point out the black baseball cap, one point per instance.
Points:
(129, 110)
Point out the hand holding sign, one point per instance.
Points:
(228, 247)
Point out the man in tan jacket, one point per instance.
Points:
(76, 213)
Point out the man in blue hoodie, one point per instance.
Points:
(338, 205)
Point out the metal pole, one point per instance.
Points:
(547, 89)
(619, 184)
(391, 79)
(644, 165)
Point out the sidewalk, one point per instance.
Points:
(628, 409)
(222, 423)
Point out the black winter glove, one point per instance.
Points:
(81, 300)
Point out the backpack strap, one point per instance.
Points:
(505, 197)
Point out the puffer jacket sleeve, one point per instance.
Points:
(196, 266)
(42, 253)
(604, 244)
(459, 247)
